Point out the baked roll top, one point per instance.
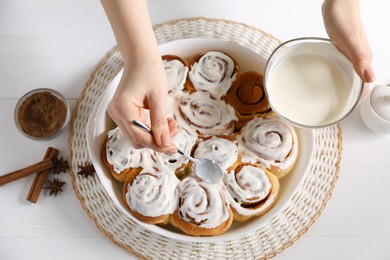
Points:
(213, 71)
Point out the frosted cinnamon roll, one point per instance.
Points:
(213, 71)
(205, 114)
(151, 195)
(270, 142)
(176, 70)
(251, 190)
(121, 157)
(247, 96)
(203, 209)
(222, 149)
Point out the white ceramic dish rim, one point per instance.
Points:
(99, 123)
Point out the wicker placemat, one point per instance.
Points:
(279, 232)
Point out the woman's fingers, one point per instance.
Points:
(344, 26)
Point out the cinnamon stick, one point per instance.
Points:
(40, 177)
(37, 167)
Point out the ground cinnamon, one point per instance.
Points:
(42, 114)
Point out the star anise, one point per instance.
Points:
(86, 170)
(54, 186)
(60, 165)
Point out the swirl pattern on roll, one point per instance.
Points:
(202, 204)
(153, 193)
(249, 190)
(213, 71)
(247, 94)
(268, 141)
(205, 114)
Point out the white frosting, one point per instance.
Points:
(153, 193)
(176, 73)
(268, 141)
(205, 114)
(202, 204)
(223, 151)
(249, 186)
(173, 100)
(122, 155)
(213, 72)
(184, 140)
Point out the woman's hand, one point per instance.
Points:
(344, 27)
(144, 83)
(144, 87)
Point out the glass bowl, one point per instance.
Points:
(41, 114)
(310, 83)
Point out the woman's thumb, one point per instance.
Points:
(159, 123)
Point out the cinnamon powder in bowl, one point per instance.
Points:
(42, 114)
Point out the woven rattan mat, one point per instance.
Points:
(281, 231)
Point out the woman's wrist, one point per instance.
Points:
(133, 30)
(142, 58)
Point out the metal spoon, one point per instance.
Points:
(206, 169)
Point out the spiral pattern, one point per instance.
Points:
(249, 189)
(214, 72)
(249, 184)
(268, 141)
(247, 94)
(202, 204)
(153, 193)
(206, 115)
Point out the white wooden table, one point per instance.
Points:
(56, 44)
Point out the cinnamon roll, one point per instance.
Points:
(247, 96)
(176, 69)
(151, 195)
(121, 158)
(251, 190)
(208, 116)
(213, 71)
(203, 209)
(270, 142)
(221, 148)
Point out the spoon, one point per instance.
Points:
(207, 170)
